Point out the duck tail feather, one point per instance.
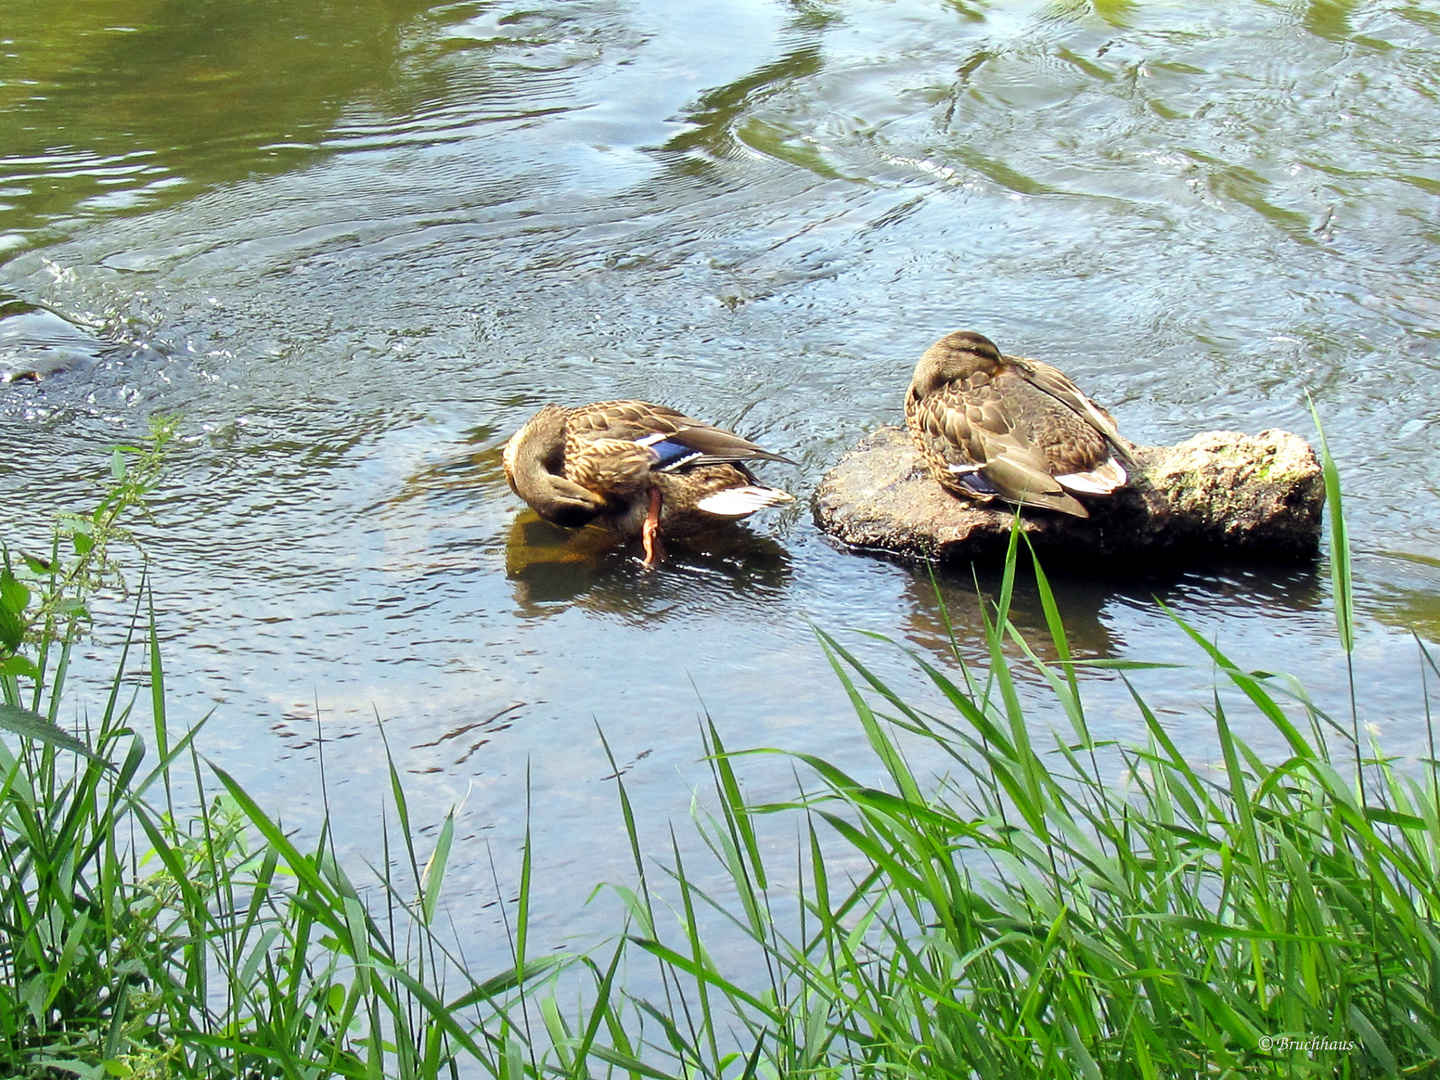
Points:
(1102, 480)
(740, 501)
(974, 481)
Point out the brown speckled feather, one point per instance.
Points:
(597, 464)
(630, 420)
(991, 426)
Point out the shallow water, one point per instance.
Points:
(354, 253)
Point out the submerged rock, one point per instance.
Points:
(36, 343)
(1220, 491)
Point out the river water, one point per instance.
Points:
(353, 247)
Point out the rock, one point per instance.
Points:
(1218, 492)
(36, 343)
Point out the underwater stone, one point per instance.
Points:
(36, 343)
(1219, 492)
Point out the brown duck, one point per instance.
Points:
(990, 426)
(635, 468)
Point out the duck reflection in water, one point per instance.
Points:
(953, 605)
(636, 469)
(552, 567)
(946, 610)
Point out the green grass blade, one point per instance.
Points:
(1340, 575)
(434, 872)
(31, 725)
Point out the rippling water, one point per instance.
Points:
(355, 251)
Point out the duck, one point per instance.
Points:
(636, 469)
(990, 426)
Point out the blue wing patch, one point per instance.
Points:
(670, 454)
(972, 479)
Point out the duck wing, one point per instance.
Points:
(976, 440)
(1057, 384)
(629, 420)
(676, 439)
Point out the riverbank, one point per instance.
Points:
(1058, 904)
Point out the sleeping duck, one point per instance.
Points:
(637, 469)
(990, 426)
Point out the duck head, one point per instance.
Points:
(955, 356)
(534, 459)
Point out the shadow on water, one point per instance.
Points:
(964, 598)
(552, 568)
(1400, 590)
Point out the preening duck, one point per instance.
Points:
(990, 426)
(637, 469)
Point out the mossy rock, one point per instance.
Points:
(1220, 492)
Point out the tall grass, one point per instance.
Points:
(1061, 907)
(143, 938)
(1054, 905)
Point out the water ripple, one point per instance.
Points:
(360, 282)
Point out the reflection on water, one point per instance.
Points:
(466, 738)
(38, 344)
(122, 107)
(354, 246)
(949, 606)
(552, 567)
(950, 612)
(1402, 591)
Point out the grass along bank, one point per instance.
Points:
(1059, 906)
(143, 939)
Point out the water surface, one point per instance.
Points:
(355, 248)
